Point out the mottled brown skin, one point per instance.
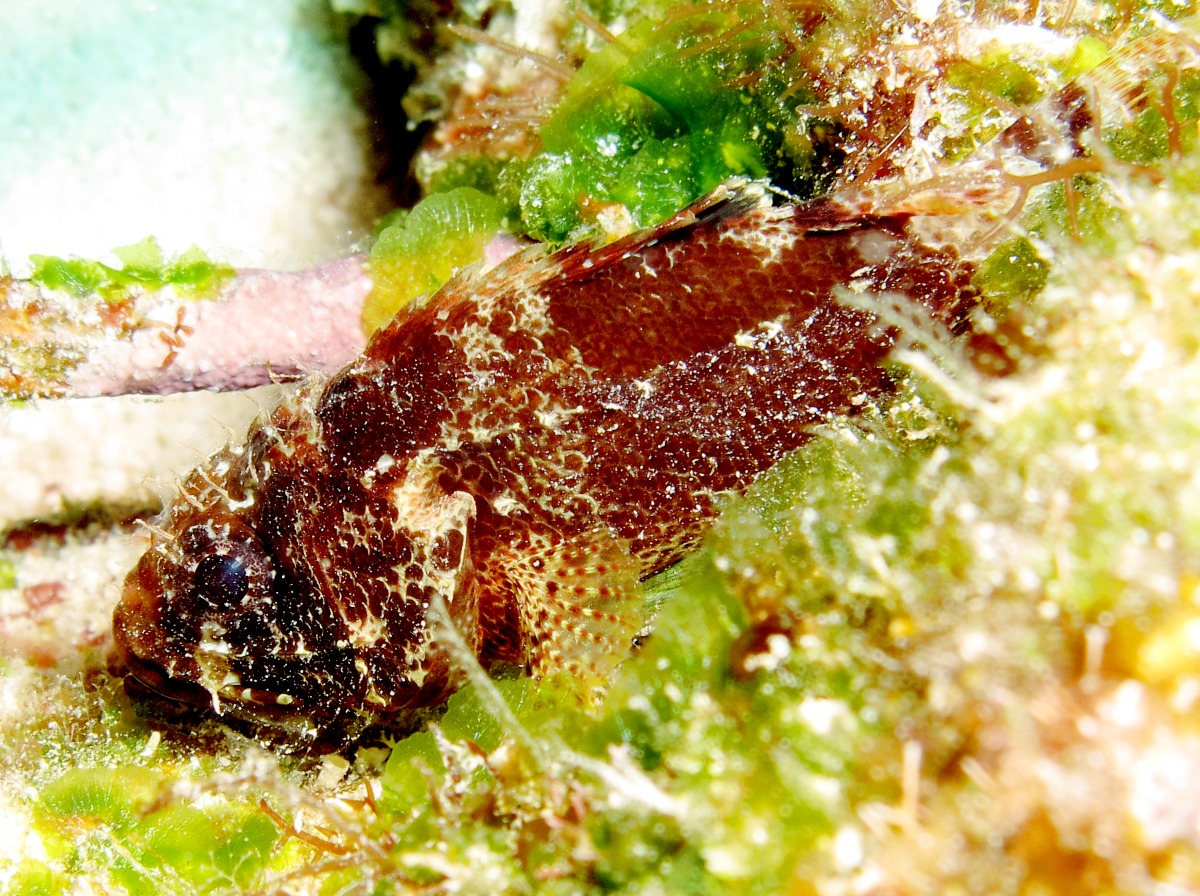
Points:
(522, 448)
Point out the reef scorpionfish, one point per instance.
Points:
(519, 449)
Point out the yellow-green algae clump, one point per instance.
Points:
(419, 250)
(51, 323)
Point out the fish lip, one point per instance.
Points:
(152, 677)
(289, 727)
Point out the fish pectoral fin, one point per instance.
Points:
(579, 605)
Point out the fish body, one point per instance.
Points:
(520, 449)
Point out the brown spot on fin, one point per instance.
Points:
(578, 603)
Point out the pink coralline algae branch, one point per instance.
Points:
(263, 325)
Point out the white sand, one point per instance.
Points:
(226, 124)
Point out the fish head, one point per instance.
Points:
(298, 608)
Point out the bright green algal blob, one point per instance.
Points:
(421, 250)
(655, 120)
(414, 759)
(600, 113)
(1013, 273)
(652, 121)
(8, 573)
(174, 848)
(111, 796)
(1088, 53)
(477, 171)
(142, 267)
(35, 879)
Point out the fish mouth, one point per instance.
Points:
(149, 681)
(148, 678)
(285, 720)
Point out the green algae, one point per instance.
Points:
(653, 121)
(8, 573)
(34, 878)
(142, 266)
(105, 795)
(127, 819)
(658, 119)
(49, 324)
(1161, 128)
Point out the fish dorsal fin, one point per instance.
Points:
(578, 602)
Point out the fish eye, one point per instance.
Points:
(227, 565)
(221, 580)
